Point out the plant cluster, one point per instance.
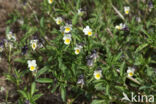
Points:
(88, 51)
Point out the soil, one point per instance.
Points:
(6, 7)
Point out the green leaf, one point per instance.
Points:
(78, 4)
(30, 31)
(145, 32)
(122, 69)
(42, 71)
(118, 56)
(120, 88)
(73, 69)
(61, 65)
(141, 47)
(29, 95)
(35, 97)
(144, 87)
(149, 70)
(54, 88)
(75, 19)
(23, 94)
(42, 22)
(107, 89)
(98, 102)
(44, 80)
(10, 78)
(33, 87)
(7, 30)
(20, 60)
(63, 94)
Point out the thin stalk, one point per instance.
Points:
(9, 58)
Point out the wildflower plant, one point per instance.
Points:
(87, 31)
(58, 20)
(130, 71)
(126, 9)
(77, 49)
(80, 54)
(32, 65)
(34, 44)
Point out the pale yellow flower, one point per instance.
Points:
(80, 12)
(67, 39)
(88, 31)
(126, 10)
(58, 20)
(11, 36)
(77, 49)
(67, 28)
(97, 74)
(120, 27)
(34, 44)
(130, 71)
(50, 1)
(32, 65)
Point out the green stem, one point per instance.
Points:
(9, 59)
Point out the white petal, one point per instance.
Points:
(87, 27)
(34, 61)
(28, 61)
(129, 71)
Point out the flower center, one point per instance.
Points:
(118, 27)
(130, 74)
(50, 1)
(98, 76)
(89, 33)
(67, 29)
(67, 41)
(77, 51)
(32, 68)
(58, 22)
(126, 11)
(34, 45)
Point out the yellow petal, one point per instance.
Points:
(32, 68)
(130, 74)
(67, 29)
(58, 22)
(34, 45)
(97, 76)
(126, 11)
(77, 51)
(89, 33)
(50, 1)
(67, 41)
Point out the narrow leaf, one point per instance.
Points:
(33, 87)
(141, 47)
(122, 69)
(23, 93)
(42, 71)
(63, 94)
(35, 97)
(44, 80)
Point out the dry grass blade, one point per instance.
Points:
(109, 31)
(117, 11)
(134, 80)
